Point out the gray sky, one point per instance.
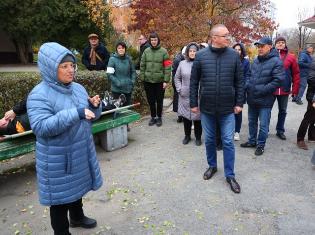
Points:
(287, 11)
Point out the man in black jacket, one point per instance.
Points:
(217, 71)
(267, 73)
(95, 56)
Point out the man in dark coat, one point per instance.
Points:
(95, 56)
(267, 73)
(305, 61)
(217, 79)
(144, 44)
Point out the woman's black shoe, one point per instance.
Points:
(179, 119)
(198, 142)
(186, 139)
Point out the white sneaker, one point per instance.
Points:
(192, 127)
(237, 136)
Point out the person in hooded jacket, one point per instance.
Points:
(155, 72)
(239, 47)
(121, 72)
(267, 73)
(292, 78)
(182, 84)
(61, 114)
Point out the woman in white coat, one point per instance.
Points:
(182, 83)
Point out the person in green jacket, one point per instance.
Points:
(155, 72)
(121, 72)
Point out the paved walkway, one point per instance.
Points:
(155, 186)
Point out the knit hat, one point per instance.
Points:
(278, 39)
(67, 58)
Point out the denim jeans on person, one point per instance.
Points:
(263, 115)
(282, 107)
(303, 85)
(227, 125)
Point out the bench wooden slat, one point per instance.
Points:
(25, 144)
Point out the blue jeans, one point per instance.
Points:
(238, 122)
(263, 115)
(226, 123)
(282, 106)
(303, 85)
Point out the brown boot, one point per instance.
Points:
(302, 145)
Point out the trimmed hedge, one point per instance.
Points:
(15, 86)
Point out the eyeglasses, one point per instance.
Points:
(68, 66)
(228, 36)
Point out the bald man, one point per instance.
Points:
(217, 71)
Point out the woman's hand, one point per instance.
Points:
(89, 114)
(314, 105)
(95, 101)
(164, 85)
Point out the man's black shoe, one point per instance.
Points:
(152, 121)
(198, 142)
(248, 145)
(85, 222)
(259, 151)
(159, 122)
(235, 187)
(209, 173)
(281, 136)
(186, 139)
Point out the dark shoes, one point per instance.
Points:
(235, 187)
(302, 145)
(85, 222)
(259, 151)
(299, 102)
(186, 139)
(198, 142)
(159, 122)
(179, 119)
(209, 173)
(281, 136)
(152, 121)
(248, 145)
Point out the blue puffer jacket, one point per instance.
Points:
(305, 61)
(267, 74)
(66, 163)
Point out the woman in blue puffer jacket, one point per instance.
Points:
(60, 113)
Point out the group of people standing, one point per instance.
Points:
(212, 84)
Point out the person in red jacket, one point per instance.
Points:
(292, 78)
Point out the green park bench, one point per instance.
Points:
(25, 144)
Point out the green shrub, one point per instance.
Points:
(16, 86)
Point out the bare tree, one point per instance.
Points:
(304, 32)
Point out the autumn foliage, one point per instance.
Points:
(181, 21)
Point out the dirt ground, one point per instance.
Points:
(155, 186)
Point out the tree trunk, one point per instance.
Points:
(22, 50)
